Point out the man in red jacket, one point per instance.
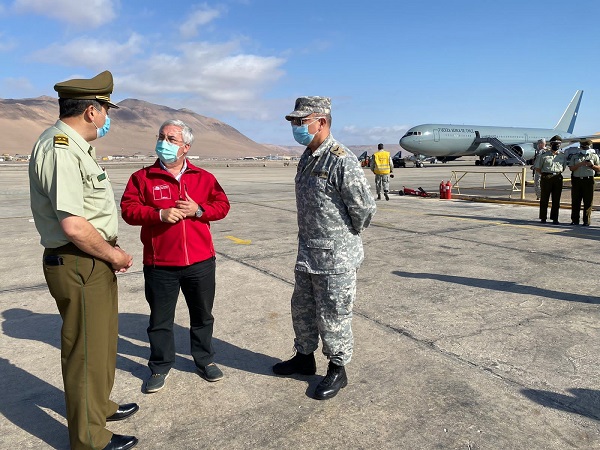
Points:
(174, 202)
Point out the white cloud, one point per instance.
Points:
(388, 135)
(20, 84)
(208, 78)
(91, 52)
(202, 16)
(77, 12)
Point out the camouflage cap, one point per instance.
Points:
(305, 106)
(98, 88)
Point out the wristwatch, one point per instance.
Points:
(199, 211)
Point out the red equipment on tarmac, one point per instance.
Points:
(448, 191)
(442, 189)
(420, 192)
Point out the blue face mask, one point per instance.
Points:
(167, 152)
(301, 134)
(100, 132)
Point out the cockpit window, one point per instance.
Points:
(413, 133)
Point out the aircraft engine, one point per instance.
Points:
(525, 151)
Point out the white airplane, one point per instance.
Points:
(448, 142)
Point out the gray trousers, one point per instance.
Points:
(536, 185)
(322, 306)
(382, 182)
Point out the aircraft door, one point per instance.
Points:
(436, 135)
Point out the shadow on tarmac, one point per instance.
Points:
(576, 231)
(25, 406)
(499, 285)
(585, 402)
(24, 324)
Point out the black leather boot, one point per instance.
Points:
(302, 364)
(332, 383)
(385, 194)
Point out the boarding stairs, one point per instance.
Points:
(499, 146)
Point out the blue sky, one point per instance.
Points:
(387, 65)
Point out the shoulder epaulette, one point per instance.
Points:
(337, 150)
(61, 139)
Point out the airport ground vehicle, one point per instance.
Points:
(416, 160)
(364, 159)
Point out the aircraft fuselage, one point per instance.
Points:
(457, 140)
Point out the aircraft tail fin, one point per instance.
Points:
(566, 123)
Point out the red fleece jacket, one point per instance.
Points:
(183, 243)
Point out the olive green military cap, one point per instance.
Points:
(98, 88)
(305, 106)
(556, 138)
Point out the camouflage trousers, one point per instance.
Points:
(536, 185)
(322, 306)
(382, 182)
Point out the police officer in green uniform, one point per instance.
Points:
(551, 164)
(583, 165)
(74, 209)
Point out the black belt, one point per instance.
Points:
(583, 178)
(550, 174)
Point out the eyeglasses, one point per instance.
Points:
(171, 139)
(298, 122)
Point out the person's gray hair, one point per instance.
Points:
(542, 141)
(186, 132)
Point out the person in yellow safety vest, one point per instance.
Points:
(381, 165)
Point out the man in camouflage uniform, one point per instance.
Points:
(334, 205)
(583, 166)
(540, 147)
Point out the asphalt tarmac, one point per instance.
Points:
(475, 327)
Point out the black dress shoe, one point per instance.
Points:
(555, 222)
(120, 442)
(332, 383)
(124, 411)
(543, 220)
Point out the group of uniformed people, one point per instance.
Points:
(583, 164)
(74, 210)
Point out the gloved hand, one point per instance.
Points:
(391, 175)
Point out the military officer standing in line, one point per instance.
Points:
(540, 147)
(382, 166)
(335, 205)
(550, 165)
(74, 209)
(583, 165)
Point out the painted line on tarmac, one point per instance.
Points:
(239, 241)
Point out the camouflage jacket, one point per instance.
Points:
(334, 204)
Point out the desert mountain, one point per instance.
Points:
(133, 130)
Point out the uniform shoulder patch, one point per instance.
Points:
(337, 150)
(61, 139)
